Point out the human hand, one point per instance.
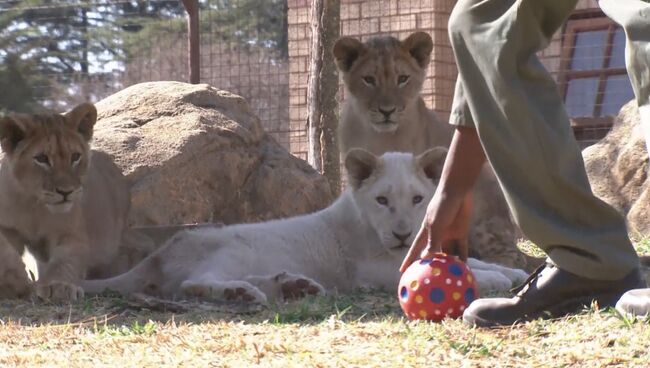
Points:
(445, 225)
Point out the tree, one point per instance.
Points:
(65, 43)
(323, 86)
(17, 92)
(64, 50)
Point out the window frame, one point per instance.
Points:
(575, 25)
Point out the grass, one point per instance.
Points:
(365, 329)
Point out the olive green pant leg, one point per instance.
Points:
(506, 93)
(634, 17)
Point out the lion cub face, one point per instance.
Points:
(48, 155)
(384, 76)
(393, 191)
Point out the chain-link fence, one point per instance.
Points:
(57, 53)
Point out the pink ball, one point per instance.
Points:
(437, 288)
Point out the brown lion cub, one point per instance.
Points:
(384, 110)
(66, 204)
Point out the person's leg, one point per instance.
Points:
(520, 118)
(634, 17)
(505, 92)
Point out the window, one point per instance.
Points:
(592, 76)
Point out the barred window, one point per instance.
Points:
(594, 81)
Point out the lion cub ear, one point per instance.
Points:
(360, 165)
(419, 45)
(82, 119)
(432, 161)
(346, 51)
(13, 130)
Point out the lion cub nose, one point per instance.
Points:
(401, 237)
(387, 111)
(64, 193)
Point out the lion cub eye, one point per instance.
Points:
(369, 80)
(74, 159)
(402, 80)
(417, 199)
(42, 160)
(382, 200)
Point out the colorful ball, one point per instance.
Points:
(437, 288)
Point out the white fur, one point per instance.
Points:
(348, 245)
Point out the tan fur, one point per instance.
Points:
(67, 204)
(13, 278)
(413, 128)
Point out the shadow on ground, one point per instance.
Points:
(115, 311)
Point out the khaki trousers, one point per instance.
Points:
(508, 96)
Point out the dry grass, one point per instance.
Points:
(363, 330)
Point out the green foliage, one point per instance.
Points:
(135, 329)
(49, 48)
(261, 23)
(248, 24)
(16, 82)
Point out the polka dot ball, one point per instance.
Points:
(437, 288)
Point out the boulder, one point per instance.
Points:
(194, 154)
(617, 167)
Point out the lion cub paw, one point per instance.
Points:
(298, 286)
(14, 284)
(491, 281)
(237, 291)
(59, 291)
(515, 275)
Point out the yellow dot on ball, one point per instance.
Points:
(419, 300)
(455, 295)
(414, 284)
(423, 313)
(435, 271)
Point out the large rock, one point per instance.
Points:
(618, 166)
(193, 153)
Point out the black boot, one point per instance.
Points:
(549, 292)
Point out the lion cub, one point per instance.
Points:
(66, 204)
(358, 241)
(383, 110)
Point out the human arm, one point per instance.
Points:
(449, 212)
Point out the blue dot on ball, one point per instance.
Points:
(455, 269)
(437, 295)
(469, 295)
(425, 261)
(404, 293)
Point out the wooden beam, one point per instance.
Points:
(194, 41)
(322, 89)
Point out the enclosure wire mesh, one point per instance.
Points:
(65, 52)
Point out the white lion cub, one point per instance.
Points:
(358, 241)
